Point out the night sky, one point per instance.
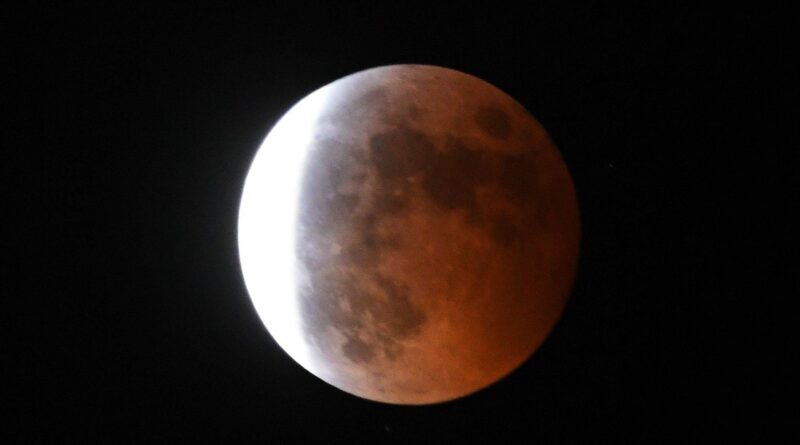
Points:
(141, 122)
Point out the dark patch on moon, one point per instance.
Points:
(391, 203)
(504, 232)
(393, 316)
(357, 350)
(494, 121)
(451, 178)
(400, 153)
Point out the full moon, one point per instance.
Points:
(409, 234)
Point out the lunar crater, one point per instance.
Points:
(494, 121)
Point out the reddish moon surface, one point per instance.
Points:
(409, 234)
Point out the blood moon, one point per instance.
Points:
(408, 234)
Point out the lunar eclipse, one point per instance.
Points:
(409, 234)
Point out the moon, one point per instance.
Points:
(409, 234)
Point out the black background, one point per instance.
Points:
(142, 121)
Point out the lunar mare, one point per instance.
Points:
(430, 241)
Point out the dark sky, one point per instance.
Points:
(142, 120)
